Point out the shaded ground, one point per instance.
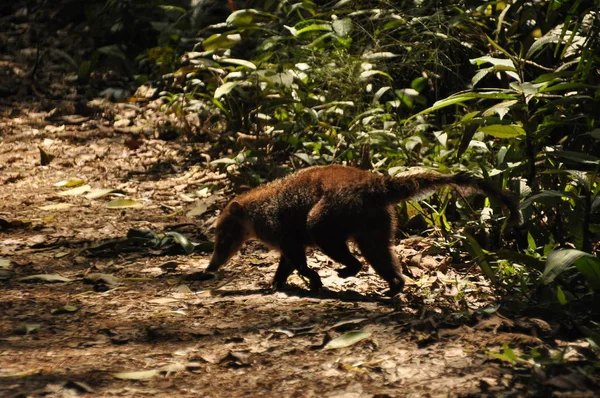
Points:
(128, 308)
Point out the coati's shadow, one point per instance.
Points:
(324, 293)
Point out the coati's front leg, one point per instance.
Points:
(293, 257)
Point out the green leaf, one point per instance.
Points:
(312, 28)
(503, 130)
(124, 203)
(225, 89)
(342, 27)
(224, 161)
(419, 84)
(560, 296)
(246, 17)
(502, 62)
(305, 158)
(379, 55)
(576, 157)
(463, 97)
(241, 62)
(501, 109)
(74, 182)
(27, 328)
(589, 266)
(221, 41)
(347, 339)
(549, 197)
(65, 309)
(372, 72)
(182, 240)
(561, 260)
(479, 256)
(594, 133)
(76, 191)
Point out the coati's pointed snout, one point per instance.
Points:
(231, 233)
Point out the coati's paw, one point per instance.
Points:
(315, 285)
(200, 276)
(397, 301)
(347, 272)
(278, 286)
(396, 287)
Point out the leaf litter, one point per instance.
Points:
(108, 316)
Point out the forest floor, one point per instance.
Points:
(94, 303)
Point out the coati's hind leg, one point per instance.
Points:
(293, 257)
(324, 231)
(338, 251)
(375, 246)
(379, 254)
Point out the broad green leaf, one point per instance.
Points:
(124, 203)
(463, 97)
(372, 72)
(241, 62)
(560, 296)
(479, 257)
(182, 240)
(172, 8)
(342, 27)
(549, 197)
(561, 260)
(312, 28)
(221, 41)
(419, 84)
(594, 133)
(57, 206)
(507, 63)
(379, 55)
(76, 191)
(49, 278)
(480, 75)
(589, 266)
(27, 328)
(225, 89)
(245, 17)
(501, 109)
(224, 161)
(305, 158)
(503, 130)
(74, 182)
(347, 339)
(530, 90)
(576, 157)
(564, 86)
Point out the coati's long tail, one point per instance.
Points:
(421, 183)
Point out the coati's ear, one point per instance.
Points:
(236, 208)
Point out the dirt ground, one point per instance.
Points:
(94, 299)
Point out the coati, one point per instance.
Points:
(325, 206)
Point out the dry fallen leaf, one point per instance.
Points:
(347, 339)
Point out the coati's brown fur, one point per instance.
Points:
(325, 206)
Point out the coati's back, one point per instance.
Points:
(282, 207)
